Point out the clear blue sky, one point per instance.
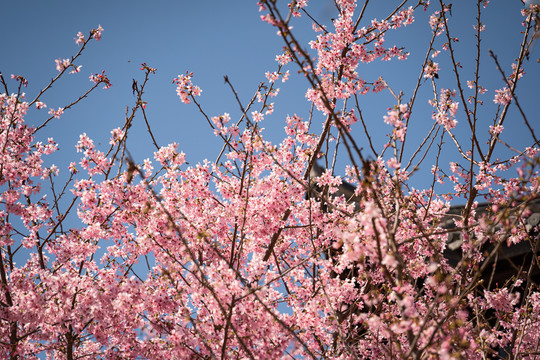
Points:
(217, 38)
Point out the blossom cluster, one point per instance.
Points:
(184, 87)
(264, 253)
(394, 118)
(446, 109)
(101, 78)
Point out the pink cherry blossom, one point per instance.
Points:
(76, 69)
(101, 78)
(267, 252)
(502, 96)
(184, 87)
(431, 70)
(56, 113)
(96, 33)
(496, 130)
(80, 38)
(61, 65)
(40, 105)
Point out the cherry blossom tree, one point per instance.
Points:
(258, 256)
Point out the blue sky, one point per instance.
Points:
(217, 38)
